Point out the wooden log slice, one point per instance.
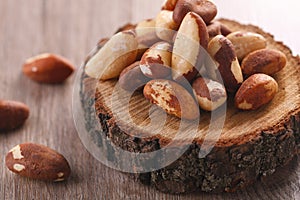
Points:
(252, 144)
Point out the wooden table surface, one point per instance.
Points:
(72, 28)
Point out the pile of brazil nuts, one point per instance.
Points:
(184, 44)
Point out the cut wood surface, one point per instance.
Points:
(72, 29)
(251, 144)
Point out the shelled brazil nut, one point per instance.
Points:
(156, 61)
(172, 97)
(209, 94)
(216, 28)
(146, 35)
(246, 42)
(13, 114)
(165, 26)
(191, 39)
(37, 162)
(132, 78)
(204, 8)
(117, 53)
(227, 65)
(256, 91)
(267, 61)
(48, 68)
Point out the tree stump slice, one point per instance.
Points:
(252, 144)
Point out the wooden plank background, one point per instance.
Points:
(72, 28)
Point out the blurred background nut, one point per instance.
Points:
(48, 68)
(132, 78)
(156, 61)
(173, 98)
(204, 8)
(256, 91)
(165, 26)
(12, 115)
(119, 52)
(37, 162)
(267, 61)
(190, 42)
(227, 65)
(210, 94)
(246, 42)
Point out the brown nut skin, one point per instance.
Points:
(132, 78)
(246, 42)
(217, 28)
(12, 115)
(206, 9)
(173, 98)
(267, 61)
(156, 61)
(48, 68)
(186, 62)
(210, 94)
(169, 5)
(225, 30)
(255, 92)
(222, 52)
(37, 162)
(214, 29)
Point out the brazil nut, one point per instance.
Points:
(156, 61)
(246, 42)
(255, 92)
(191, 39)
(267, 61)
(227, 65)
(209, 94)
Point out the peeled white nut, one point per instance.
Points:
(191, 38)
(165, 26)
(156, 61)
(246, 42)
(210, 94)
(227, 65)
(118, 53)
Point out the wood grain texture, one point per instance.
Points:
(72, 29)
